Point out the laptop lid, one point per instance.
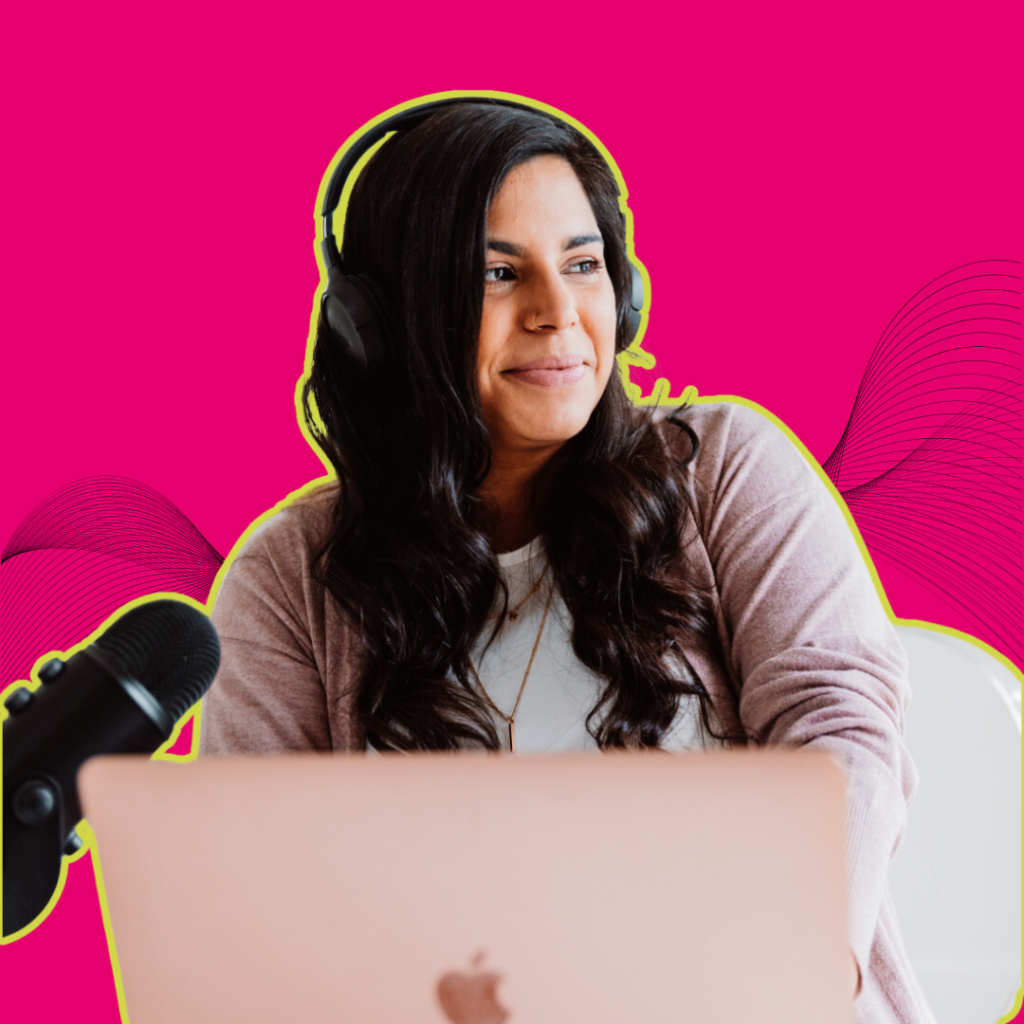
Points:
(476, 889)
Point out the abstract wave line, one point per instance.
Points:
(930, 460)
(82, 553)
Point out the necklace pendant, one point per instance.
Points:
(512, 737)
(512, 616)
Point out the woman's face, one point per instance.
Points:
(547, 336)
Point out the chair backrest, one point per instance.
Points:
(956, 880)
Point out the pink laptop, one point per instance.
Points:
(476, 889)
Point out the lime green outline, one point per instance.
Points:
(634, 355)
(1017, 1003)
(85, 831)
(690, 397)
(89, 839)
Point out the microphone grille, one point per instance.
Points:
(169, 647)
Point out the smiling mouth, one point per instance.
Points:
(549, 373)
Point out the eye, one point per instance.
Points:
(499, 274)
(587, 265)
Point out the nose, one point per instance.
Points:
(551, 306)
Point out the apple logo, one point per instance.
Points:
(469, 998)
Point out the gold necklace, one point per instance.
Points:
(512, 615)
(511, 719)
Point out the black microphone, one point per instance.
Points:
(121, 695)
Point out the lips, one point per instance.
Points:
(551, 372)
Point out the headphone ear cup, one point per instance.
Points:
(636, 302)
(352, 307)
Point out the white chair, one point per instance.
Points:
(956, 879)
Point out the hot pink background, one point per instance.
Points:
(795, 177)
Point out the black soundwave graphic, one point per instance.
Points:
(930, 460)
(84, 551)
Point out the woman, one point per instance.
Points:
(514, 557)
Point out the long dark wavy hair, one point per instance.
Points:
(408, 556)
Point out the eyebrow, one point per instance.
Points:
(511, 249)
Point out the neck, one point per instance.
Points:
(508, 493)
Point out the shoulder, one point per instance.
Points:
(285, 659)
(750, 468)
(274, 562)
(293, 532)
(741, 448)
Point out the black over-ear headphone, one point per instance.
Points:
(352, 305)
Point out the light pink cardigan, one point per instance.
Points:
(806, 641)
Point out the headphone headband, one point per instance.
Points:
(353, 305)
(401, 121)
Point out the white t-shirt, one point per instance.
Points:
(561, 691)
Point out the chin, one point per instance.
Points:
(553, 427)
